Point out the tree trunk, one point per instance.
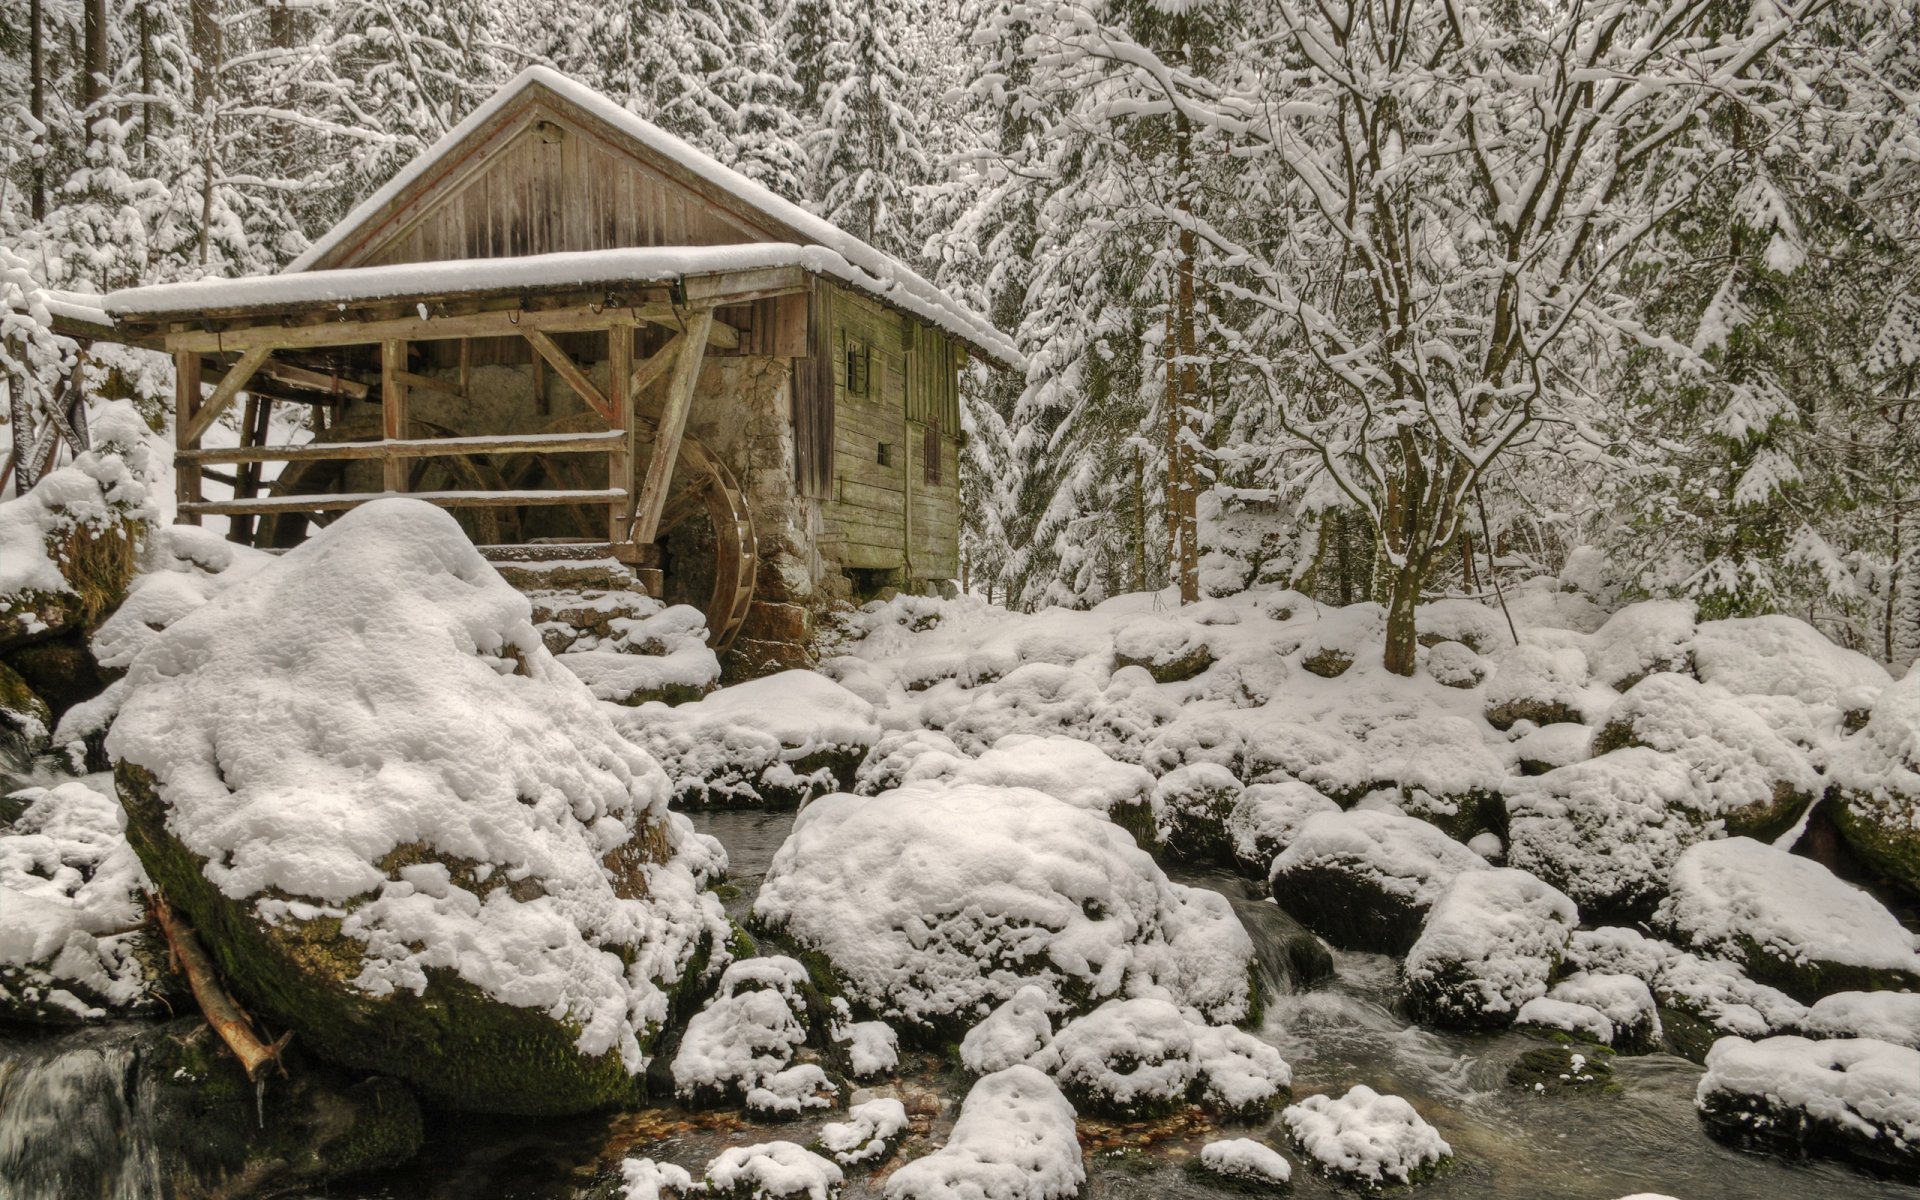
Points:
(1188, 563)
(37, 102)
(1402, 636)
(93, 68)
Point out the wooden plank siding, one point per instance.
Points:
(888, 516)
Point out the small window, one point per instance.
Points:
(930, 453)
(885, 455)
(857, 363)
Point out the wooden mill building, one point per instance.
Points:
(586, 338)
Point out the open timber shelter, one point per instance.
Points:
(587, 339)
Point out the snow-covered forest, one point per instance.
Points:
(1168, 598)
(1305, 303)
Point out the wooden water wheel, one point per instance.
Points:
(706, 526)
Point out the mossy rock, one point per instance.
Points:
(1349, 912)
(1687, 1034)
(29, 616)
(1565, 1067)
(1178, 669)
(1471, 813)
(26, 721)
(457, 1046)
(1327, 663)
(1807, 980)
(1770, 1124)
(61, 671)
(1891, 847)
(1541, 712)
(1137, 820)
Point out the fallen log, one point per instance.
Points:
(222, 1013)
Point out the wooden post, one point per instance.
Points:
(673, 425)
(246, 475)
(186, 409)
(620, 458)
(393, 410)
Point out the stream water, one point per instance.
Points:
(69, 1112)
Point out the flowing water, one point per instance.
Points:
(68, 1105)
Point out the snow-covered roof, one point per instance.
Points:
(884, 276)
(474, 276)
(79, 307)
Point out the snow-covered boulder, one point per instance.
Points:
(1443, 768)
(772, 1171)
(1606, 831)
(1365, 1137)
(26, 721)
(1321, 756)
(872, 1048)
(868, 1134)
(1748, 776)
(903, 756)
(1143, 1058)
(1579, 1064)
(1332, 644)
(936, 903)
(1543, 747)
(1612, 1010)
(1014, 1140)
(1364, 880)
(72, 942)
(779, 739)
(1850, 1098)
(1013, 1033)
(1642, 639)
(1462, 622)
(1070, 770)
(1246, 1162)
(1265, 819)
(1778, 655)
(747, 1033)
(1541, 684)
(1700, 998)
(1192, 805)
(68, 548)
(1455, 665)
(1876, 779)
(1170, 649)
(645, 1179)
(1788, 920)
(407, 833)
(1886, 1016)
(1491, 943)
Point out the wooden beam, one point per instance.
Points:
(528, 443)
(393, 409)
(620, 459)
(293, 377)
(719, 333)
(499, 323)
(445, 388)
(336, 501)
(673, 425)
(229, 387)
(186, 403)
(655, 368)
(568, 370)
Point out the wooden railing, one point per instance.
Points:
(396, 450)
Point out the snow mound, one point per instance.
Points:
(1491, 943)
(772, 1171)
(1717, 992)
(1876, 774)
(1885, 1016)
(1071, 771)
(1543, 747)
(904, 756)
(1015, 1140)
(1580, 1020)
(1365, 879)
(1784, 656)
(1455, 665)
(1641, 640)
(1192, 805)
(746, 1034)
(1013, 1033)
(865, 1135)
(645, 1179)
(1127, 1058)
(1365, 1136)
(1267, 817)
(1247, 1160)
(873, 1048)
(369, 730)
(1787, 919)
(1745, 772)
(1606, 831)
(71, 891)
(1544, 685)
(934, 904)
(1854, 1096)
(1625, 1002)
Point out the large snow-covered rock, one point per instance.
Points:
(934, 903)
(777, 740)
(72, 943)
(1365, 879)
(1887, 1016)
(1783, 656)
(1192, 806)
(1851, 1098)
(1541, 684)
(1266, 818)
(1144, 1057)
(1641, 640)
(1366, 1137)
(1700, 998)
(1070, 770)
(1748, 776)
(1613, 1010)
(1876, 778)
(1608, 830)
(1490, 944)
(406, 833)
(1015, 1140)
(1788, 920)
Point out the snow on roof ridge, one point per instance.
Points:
(886, 273)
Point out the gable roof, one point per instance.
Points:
(874, 271)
